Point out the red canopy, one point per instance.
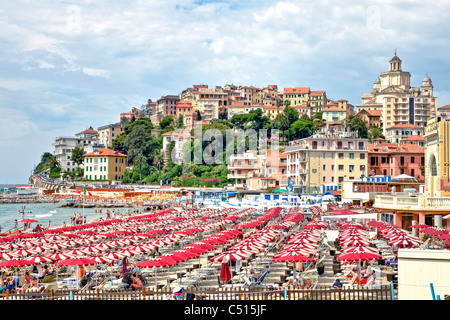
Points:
(75, 262)
(225, 273)
(292, 258)
(358, 256)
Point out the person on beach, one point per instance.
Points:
(137, 283)
(253, 276)
(337, 284)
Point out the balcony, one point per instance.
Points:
(418, 202)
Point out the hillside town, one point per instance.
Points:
(304, 189)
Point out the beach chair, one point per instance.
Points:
(23, 288)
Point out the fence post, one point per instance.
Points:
(7, 294)
(97, 293)
(143, 293)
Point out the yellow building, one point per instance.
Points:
(272, 111)
(296, 96)
(326, 159)
(104, 164)
(437, 158)
(107, 134)
(334, 114)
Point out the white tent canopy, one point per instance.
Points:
(404, 177)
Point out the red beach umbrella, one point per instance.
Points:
(229, 256)
(359, 249)
(27, 220)
(292, 258)
(358, 256)
(75, 262)
(225, 273)
(15, 263)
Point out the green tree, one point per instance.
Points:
(166, 122)
(48, 162)
(357, 124)
(375, 132)
(301, 129)
(77, 155)
(180, 122)
(140, 160)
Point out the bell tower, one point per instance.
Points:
(395, 63)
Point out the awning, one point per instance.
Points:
(446, 217)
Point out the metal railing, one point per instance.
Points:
(382, 292)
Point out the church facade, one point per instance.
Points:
(399, 103)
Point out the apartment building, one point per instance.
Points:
(326, 158)
(393, 159)
(65, 145)
(104, 164)
(133, 113)
(397, 133)
(180, 137)
(185, 109)
(258, 170)
(108, 133)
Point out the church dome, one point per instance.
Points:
(426, 81)
(378, 81)
(395, 58)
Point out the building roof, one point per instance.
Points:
(414, 138)
(297, 90)
(372, 113)
(88, 131)
(405, 125)
(316, 93)
(445, 107)
(237, 105)
(105, 152)
(387, 148)
(334, 109)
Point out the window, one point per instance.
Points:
(351, 168)
(412, 159)
(324, 167)
(341, 156)
(341, 167)
(351, 156)
(362, 156)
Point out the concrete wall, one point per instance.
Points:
(419, 268)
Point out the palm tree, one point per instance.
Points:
(158, 160)
(139, 160)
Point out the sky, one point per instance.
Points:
(67, 65)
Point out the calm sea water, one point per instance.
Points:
(45, 212)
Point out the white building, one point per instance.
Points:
(87, 139)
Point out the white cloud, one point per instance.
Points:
(97, 72)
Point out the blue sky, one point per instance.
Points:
(68, 65)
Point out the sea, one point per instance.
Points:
(45, 212)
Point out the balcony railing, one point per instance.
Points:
(416, 202)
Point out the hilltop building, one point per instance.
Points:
(398, 102)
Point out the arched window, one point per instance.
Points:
(433, 166)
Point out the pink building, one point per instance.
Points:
(392, 159)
